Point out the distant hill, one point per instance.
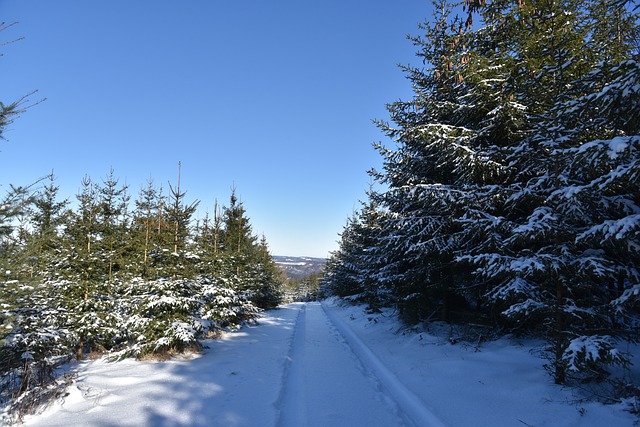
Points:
(299, 267)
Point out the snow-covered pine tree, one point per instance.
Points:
(267, 287)
(342, 275)
(79, 236)
(443, 179)
(541, 274)
(38, 341)
(238, 236)
(419, 173)
(178, 216)
(144, 236)
(47, 217)
(595, 138)
(245, 259)
(15, 233)
(112, 224)
(352, 270)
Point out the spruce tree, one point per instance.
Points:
(112, 223)
(209, 243)
(342, 278)
(268, 281)
(145, 217)
(444, 153)
(246, 260)
(47, 217)
(48, 214)
(178, 215)
(541, 275)
(238, 238)
(354, 269)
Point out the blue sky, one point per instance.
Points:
(275, 98)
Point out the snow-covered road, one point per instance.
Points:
(328, 365)
(327, 383)
(295, 369)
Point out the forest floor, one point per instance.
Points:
(325, 364)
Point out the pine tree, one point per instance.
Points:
(81, 229)
(238, 238)
(248, 260)
(444, 153)
(178, 216)
(541, 275)
(354, 269)
(13, 210)
(209, 243)
(267, 280)
(48, 213)
(86, 296)
(145, 216)
(596, 195)
(112, 223)
(47, 217)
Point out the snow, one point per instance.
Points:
(615, 145)
(617, 229)
(330, 365)
(589, 347)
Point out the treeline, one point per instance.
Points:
(511, 194)
(304, 288)
(117, 276)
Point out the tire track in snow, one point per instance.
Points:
(411, 405)
(291, 403)
(326, 384)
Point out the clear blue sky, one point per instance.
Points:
(274, 97)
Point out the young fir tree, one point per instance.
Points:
(47, 217)
(48, 214)
(238, 238)
(80, 235)
(144, 225)
(209, 243)
(82, 281)
(178, 217)
(12, 260)
(246, 260)
(112, 224)
(268, 281)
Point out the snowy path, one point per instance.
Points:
(295, 369)
(411, 406)
(330, 365)
(328, 384)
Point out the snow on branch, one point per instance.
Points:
(615, 229)
(587, 353)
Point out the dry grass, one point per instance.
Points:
(172, 354)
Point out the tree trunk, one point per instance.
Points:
(559, 336)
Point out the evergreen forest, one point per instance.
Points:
(119, 277)
(509, 195)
